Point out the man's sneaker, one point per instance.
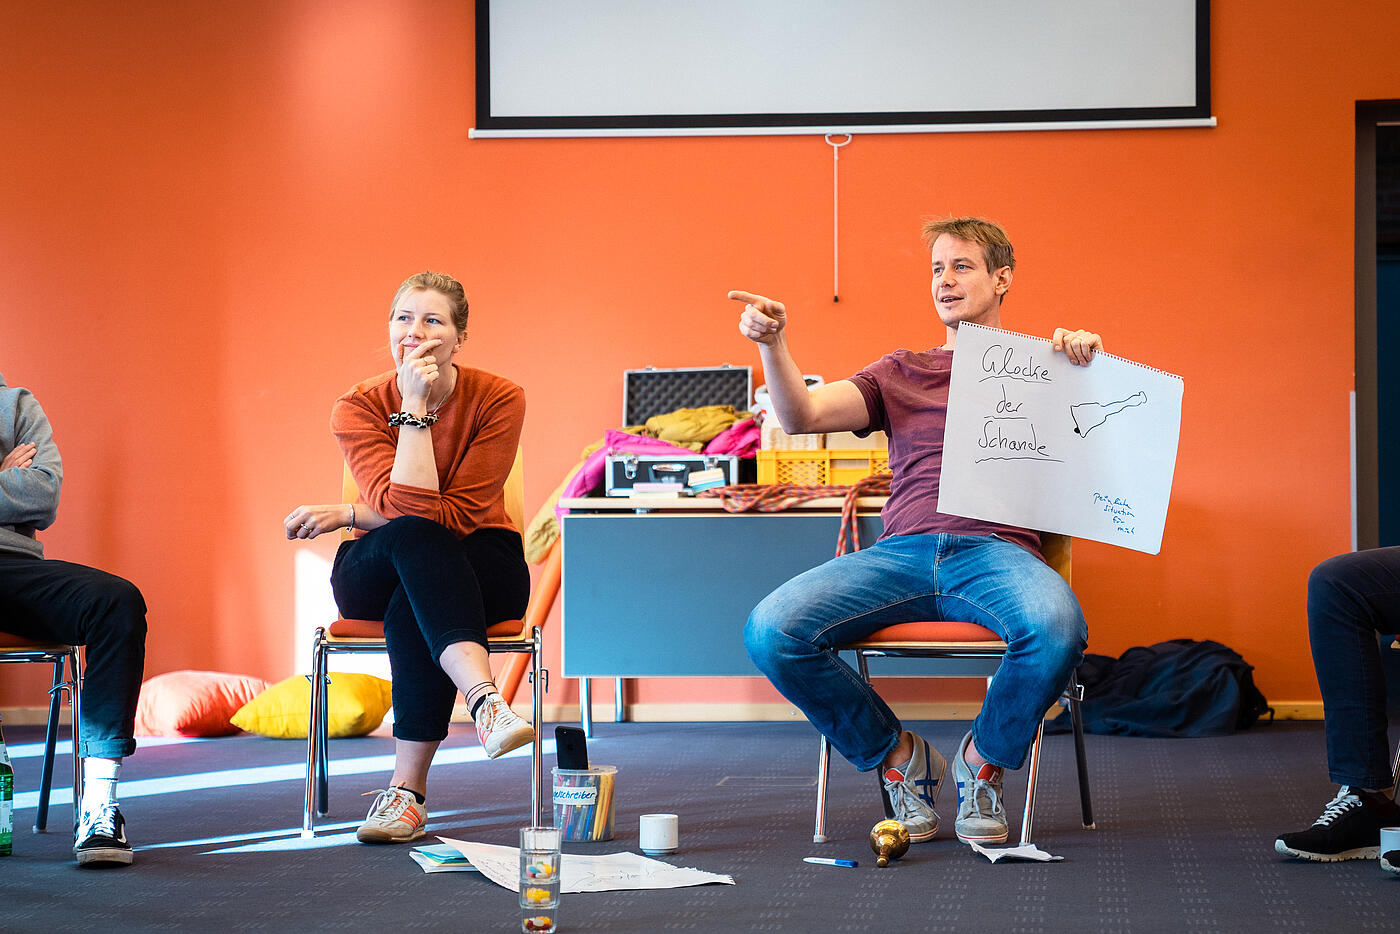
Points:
(912, 791)
(395, 817)
(1349, 828)
(101, 838)
(498, 727)
(1390, 862)
(981, 817)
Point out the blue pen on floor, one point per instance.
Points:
(824, 861)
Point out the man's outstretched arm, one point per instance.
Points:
(837, 406)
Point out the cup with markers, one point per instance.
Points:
(584, 805)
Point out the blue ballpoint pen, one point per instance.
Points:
(824, 861)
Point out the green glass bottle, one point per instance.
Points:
(7, 794)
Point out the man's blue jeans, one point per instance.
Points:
(1351, 598)
(969, 578)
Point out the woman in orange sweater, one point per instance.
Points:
(435, 555)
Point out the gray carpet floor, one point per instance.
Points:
(1184, 841)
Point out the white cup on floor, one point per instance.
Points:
(659, 834)
(1390, 839)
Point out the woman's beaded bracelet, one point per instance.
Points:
(412, 421)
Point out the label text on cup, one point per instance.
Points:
(575, 794)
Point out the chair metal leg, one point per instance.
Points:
(1395, 763)
(323, 741)
(823, 771)
(864, 667)
(823, 766)
(314, 680)
(585, 706)
(1028, 816)
(620, 702)
(323, 734)
(539, 683)
(41, 819)
(75, 710)
(1081, 761)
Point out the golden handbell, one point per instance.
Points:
(890, 840)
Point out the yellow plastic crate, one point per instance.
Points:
(826, 467)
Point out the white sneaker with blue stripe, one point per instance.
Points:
(911, 790)
(981, 816)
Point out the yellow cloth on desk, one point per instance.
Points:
(642, 431)
(693, 426)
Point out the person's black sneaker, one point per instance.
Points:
(1390, 862)
(102, 838)
(1349, 828)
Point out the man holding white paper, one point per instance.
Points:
(926, 565)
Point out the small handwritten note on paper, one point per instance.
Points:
(1034, 441)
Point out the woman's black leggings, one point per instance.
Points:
(431, 589)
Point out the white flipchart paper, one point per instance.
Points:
(611, 872)
(1035, 441)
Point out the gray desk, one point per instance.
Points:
(665, 591)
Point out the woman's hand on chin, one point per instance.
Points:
(417, 373)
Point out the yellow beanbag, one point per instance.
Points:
(356, 704)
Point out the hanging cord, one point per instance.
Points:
(775, 497)
(836, 213)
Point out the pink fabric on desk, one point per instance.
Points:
(590, 474)
(741, 438)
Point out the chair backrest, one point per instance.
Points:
(1056, 549)
(514, 492)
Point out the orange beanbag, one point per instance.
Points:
(193, 703)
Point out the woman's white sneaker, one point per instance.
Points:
(499, 728)
(395, 817)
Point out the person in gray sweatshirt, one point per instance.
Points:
(57, 601)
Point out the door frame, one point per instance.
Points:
(1365, 429)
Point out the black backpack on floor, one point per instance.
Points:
(1171, 689)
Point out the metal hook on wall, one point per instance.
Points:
(836, 211)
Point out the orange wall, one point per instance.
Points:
(204, 210)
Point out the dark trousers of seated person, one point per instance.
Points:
(431, 589)
(1352, 598)
(57, 601)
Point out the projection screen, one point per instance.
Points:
(721, 67)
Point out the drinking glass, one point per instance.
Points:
(539, 879)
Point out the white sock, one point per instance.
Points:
(100, 782)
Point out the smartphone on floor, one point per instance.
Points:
(570, 747)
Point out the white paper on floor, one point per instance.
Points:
(1024, 851)
(613, 872)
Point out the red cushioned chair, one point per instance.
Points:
(17, 650)
(520, 637)
(967, 644)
